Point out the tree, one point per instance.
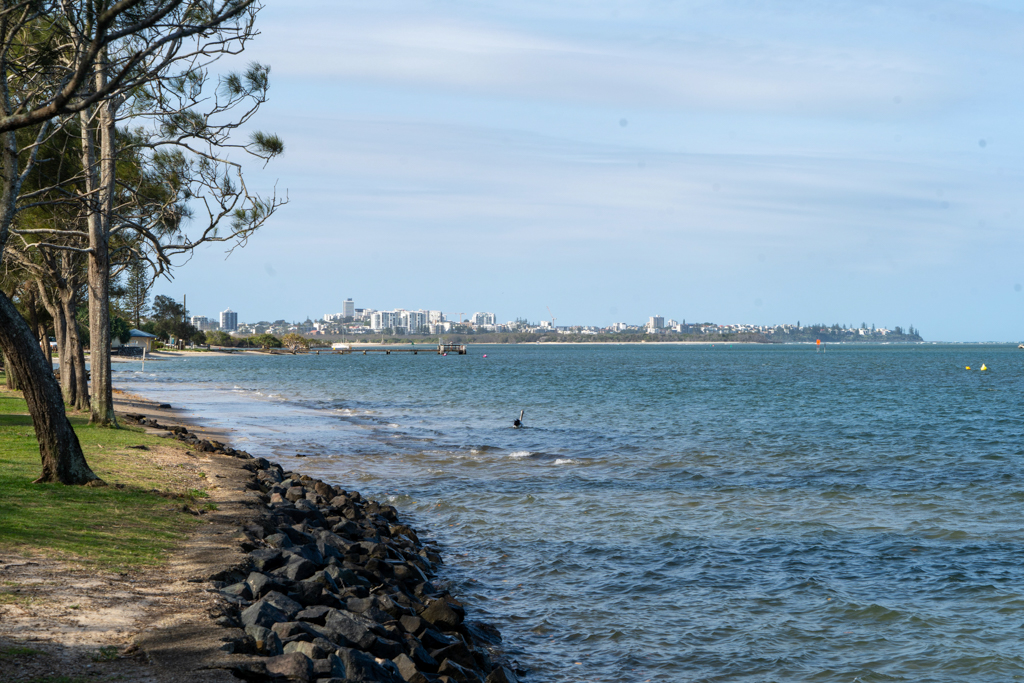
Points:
(218, 338)
(119, 329)
(137, 286)
(265, 340)
(295, 341)
(44, 83)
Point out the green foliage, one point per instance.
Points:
(295, 341)
(120, 329)
(219, 338)
(266, 340)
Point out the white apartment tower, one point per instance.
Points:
(656, 322)
(228, 320)
(348, 308)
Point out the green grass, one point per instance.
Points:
(133, 522)
(13, 652)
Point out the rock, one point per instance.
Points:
(481, 631)
(278, 540)
(407, 669)
(295, 493)
(440, 613)
(331, 667)
(307, 593)
(455, 671)
(262, 613)
(309, 648)
(412, 625)
(261, 584)
(316, 614)
(502, 675)
(362, 668)
(282, 602)
(419, 655)
(385, 648)
(296, 570)
(456, 652)
(266, 559)
(354, 628)
(435, 640)
(267, 641)
(294, 666)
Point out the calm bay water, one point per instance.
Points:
(726, 513)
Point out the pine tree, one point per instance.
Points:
(137, 286)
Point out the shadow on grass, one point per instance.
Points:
(15, 421)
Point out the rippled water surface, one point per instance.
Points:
(670, 513)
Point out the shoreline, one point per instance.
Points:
(331, 583)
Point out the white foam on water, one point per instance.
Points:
(566, 461)
(519, 454)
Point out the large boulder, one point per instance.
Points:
(363, 668)
(262, 613)
(294, 666)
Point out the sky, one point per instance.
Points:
(722, 161)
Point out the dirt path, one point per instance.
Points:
(155, 626)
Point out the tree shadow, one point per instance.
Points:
(15, 421)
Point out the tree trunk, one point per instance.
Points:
(60, 331)
(78, 358)
(10, 376)
(101, 183)
(63, 460)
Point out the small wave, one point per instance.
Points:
(566, 461)
(520, 454)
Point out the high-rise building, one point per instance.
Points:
(201, 322)
(484, 319)
(228, 320)
(656, 322)
(348, 308)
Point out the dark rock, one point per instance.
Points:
(316, 614)
(310, 648)
(261, 584)
(346, 529)
(307, 593)
(363, 668)
(441, 613)
(434, 639)
(297, 536)
(282, 602)
(295, 493)
(330, 667)
(385, 648)
(296, 570)
(292, 630)
(293, 666)
(457, 652)
(262, 613)
(502, 675)
(305, 552)
(266, 559)
(419, 654)
(407, 669)
(352, 627)
(459, 673)
(412, 625)
(482, 632)
(267, 642)
(278, 540)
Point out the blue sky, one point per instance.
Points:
(760, 162)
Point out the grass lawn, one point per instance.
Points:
(147, 509)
